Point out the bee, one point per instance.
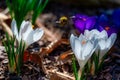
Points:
(62, 21)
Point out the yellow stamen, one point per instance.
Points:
(83, 42)
(33, 26)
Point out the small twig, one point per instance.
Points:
(5, 11)
(3, 16)
(61, 75)
(6, 28)
(64, 57)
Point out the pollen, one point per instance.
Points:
(83, 42)
(107, 28)
(33, 26)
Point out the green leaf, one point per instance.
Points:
(38, 9)
(9, 46)
(18, 10)
(74, 68)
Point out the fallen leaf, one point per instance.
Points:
(66, 55)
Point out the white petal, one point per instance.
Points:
(14, 29)
(102, 48)
(81, 37)
(103, 34)
(77, 49)
(101, 44)
(95, 31)
(34, 36)
(72, 37)
(111, 40)
(93, 34)
(29, 38)
(95, 45)
(85, 54)
(108, 44)
(26, 28)
(86, 50)
(86, 32)
(38, 33)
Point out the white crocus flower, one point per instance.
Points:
(82, 48)
(104, 42)
(95, 34)
(26, 32)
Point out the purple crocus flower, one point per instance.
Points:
(83, 22)
(109, 29)
(116, 18)
(103, 23)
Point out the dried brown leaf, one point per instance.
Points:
(6, 28)
(36, 58)
(66, 56)
(3, 16)
(53, 45)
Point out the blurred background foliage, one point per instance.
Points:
(84, 3)
(92, 3)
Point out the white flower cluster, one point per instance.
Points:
(26, 33)
(89, 42)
